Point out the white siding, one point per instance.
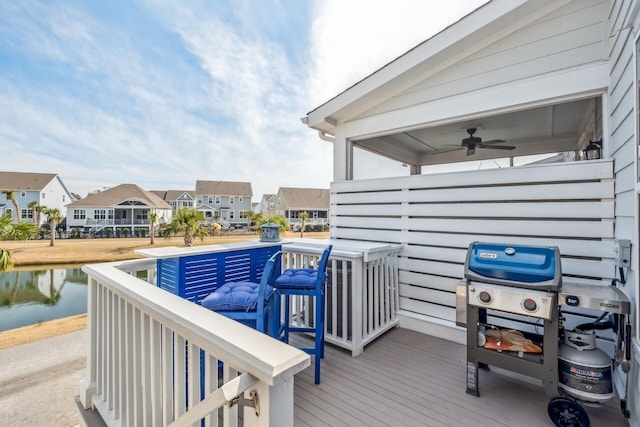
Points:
(622, 140)
(55, 196)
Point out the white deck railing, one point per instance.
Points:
(154, 358)
(361, 294)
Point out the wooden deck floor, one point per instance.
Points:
(410, 379)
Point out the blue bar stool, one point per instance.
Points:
(305, 282)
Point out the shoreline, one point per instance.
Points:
(42, 330)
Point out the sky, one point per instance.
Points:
(164, 93)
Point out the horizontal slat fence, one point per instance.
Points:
(436, 217)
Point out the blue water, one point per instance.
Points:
(28, 297)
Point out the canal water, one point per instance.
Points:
(40, 294)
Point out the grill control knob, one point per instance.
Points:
(484, 297)
(529, 304)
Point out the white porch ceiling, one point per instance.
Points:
(548, 129)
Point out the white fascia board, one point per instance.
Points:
(471, 33)
(556, 87)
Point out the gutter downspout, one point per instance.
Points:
(326, 137)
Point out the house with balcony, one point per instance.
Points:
(510, 84)
(291, 201)
(224, 202)
(121, 211)
(43, 189)
(177, 199)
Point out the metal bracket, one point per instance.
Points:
(253, 402)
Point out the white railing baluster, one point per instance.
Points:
(167, 376)
(155, 372)
(179, 386)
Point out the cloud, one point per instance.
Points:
(162, 94)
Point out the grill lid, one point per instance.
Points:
(532, 267)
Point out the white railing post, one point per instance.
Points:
(275, 405)
(88, 383)
(357, 303)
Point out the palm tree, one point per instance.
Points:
(153, 220)
(33, 205)
(54, 217)
(11, 195)
(303, 216)
(187, 221)
(252, 219)
(39, 210)
(11, 231)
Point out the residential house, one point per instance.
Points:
(45, 189)
(511, 80)
(121, 211)
(267, 205)
(290, 202)
(177, 199)
(224, 202)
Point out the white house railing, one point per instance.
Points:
(157, 359)
(361, 294)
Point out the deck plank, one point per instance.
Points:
(405, 378)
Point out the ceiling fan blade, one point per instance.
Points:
(471, 151)
(497, 147)
(493, 141)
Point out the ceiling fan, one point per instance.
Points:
(474, 141)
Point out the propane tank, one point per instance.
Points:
(585, 370)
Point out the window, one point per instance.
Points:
(240, 199)
(141, 214)
(199, 200)
(79, 214)
(217, 200)
(27, 213)
(231, 216)
(43, 194)
(110, 214)
(64, 198)
(243, 214)
(210, 199)
(99, 214)
(232, 200)
(23, 194)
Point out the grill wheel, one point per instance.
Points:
(567, 413)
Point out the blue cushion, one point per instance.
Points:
(304, 278)
(235, 296)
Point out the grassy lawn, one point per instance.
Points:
(74, 251)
